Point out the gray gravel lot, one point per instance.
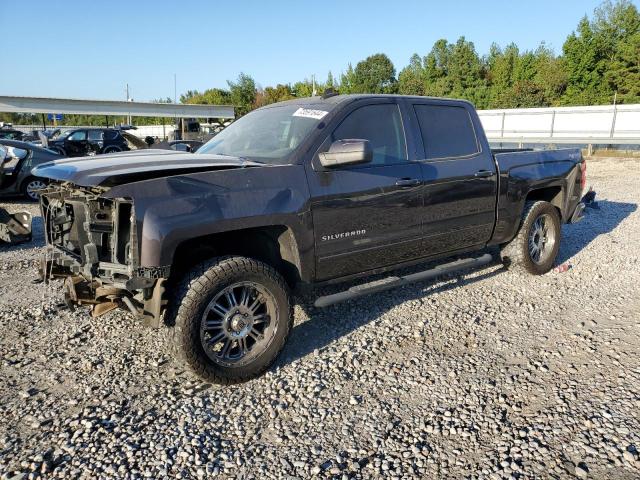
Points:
(487, 375)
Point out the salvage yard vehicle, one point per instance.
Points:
(14, 227)
(21, 158)
(9, 133)
(88, 141)
(306, 191)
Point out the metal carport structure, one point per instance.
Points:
(11, 104)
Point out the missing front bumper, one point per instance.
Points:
(146, 305)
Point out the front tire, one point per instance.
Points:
(229, 319)
(535, 247)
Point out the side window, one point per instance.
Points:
(382, 126)
(95, 135)
(78, 136)
(110, 134)
(447, 131)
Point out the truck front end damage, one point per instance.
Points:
(92, 243)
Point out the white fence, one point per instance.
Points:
(609, 124)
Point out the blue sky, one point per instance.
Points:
(90, 49)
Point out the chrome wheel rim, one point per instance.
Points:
(542, 239)
(33, 187)
(238, 324)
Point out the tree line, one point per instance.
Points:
(600, 61)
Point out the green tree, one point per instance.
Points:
(348, 80)
(190, 94)
(411, 79)
(436, 70)
(330, 83)
(279, 93)
(375, 74)
(242, 94)
(623, 75)
(601, 56)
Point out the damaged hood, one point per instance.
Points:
(126, 167)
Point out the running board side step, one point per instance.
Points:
(393, 282)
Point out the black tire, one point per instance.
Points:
(517, 253)
(189, 308)
(29, 184)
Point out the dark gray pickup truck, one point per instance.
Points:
(307, 191)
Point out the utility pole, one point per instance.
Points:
(128, 100)
(175, 99)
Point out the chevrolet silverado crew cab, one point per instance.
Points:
(306, 191)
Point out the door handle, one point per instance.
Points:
(483, 173)
(407, 182)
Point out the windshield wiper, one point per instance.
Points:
(243, 159)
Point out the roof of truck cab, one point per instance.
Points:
(344, 98)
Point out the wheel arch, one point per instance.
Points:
(552, 194)
(274, 245)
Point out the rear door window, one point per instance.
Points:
(95, 135)
(447, 131)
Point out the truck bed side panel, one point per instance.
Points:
(523, 172)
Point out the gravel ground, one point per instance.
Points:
(487, 375)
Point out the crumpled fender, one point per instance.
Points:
(171, 210)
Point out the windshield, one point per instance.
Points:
(269, 135)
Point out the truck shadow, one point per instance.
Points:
(576, 237)
(326, 325)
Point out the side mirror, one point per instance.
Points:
(346, 152)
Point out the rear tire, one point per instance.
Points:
(535, 247)
(30, 185)
(229, 319)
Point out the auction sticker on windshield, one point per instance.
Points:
(309, 113)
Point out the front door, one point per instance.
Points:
(366, 216)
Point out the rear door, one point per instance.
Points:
(76, 144)
(95, 139)
(459, 176)
(366, 216)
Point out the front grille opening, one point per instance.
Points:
(123, 246)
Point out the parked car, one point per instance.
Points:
(21, 158)
(9, 133)
(306, 191)
(14, 227)
(84, 142)
(185, 145)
